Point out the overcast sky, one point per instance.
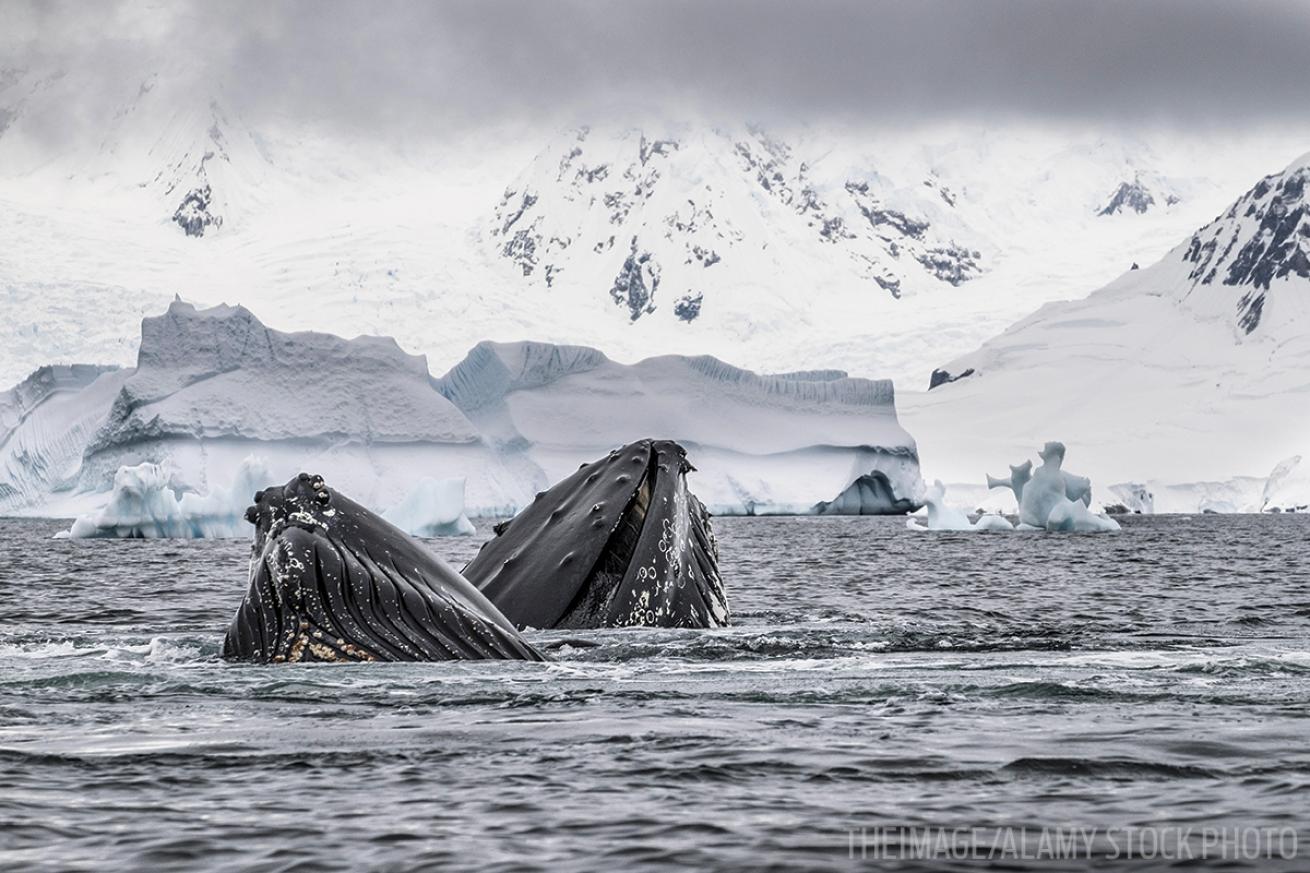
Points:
(368, 65)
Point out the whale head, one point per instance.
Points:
(332, 581)
(620, 542)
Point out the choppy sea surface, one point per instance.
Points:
(1146, 692)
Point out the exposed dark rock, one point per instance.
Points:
(1132, 196)
(942, 377)
(636, 283)
(899, 221)
(651, 147)
(951, 263)
(707, 257)
(193, 214)
(833, 229)
(521, 248)
(524, 205)
(688, 307)
(1277, 249)
(893, 286)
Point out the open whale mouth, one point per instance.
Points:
(621, 542)
(616, 557)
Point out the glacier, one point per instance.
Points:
(213, 386)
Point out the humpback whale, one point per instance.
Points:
(622, 542)
(331, 581)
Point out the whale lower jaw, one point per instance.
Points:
(312, 600)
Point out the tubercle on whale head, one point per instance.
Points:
(305, 501)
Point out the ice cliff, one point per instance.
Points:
(798, 442)
(214, 386)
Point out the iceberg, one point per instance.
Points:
(1076, 488)
(213, 386)
(1018, 478)
(1050, 488)
(146, 504)
(943, 517)
(804, 442)
(1049, 498)
(1071, 516)
(1056, 500)
(434, 508)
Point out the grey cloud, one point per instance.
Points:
(427, 66)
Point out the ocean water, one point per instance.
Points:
(1146, 692)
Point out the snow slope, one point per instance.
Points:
(779, 250)
(213, 387)
(1195, 369)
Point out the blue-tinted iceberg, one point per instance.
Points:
(1071, 516)
(943, 517)
(1019, 476)
(1049, 498)
(433, 508)
(1056, 500)
(147, 503)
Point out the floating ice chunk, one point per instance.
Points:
(1073, 516)
(144, 504)
(432, 508)
(1077, 488)
(1046, 488)
(990, 521)
(1057, 500)
(943, 517)
(1018, 478)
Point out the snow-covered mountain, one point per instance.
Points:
(671, 223)
(1195, 369)
(879, 251)
(185, 152)
(214, 387)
